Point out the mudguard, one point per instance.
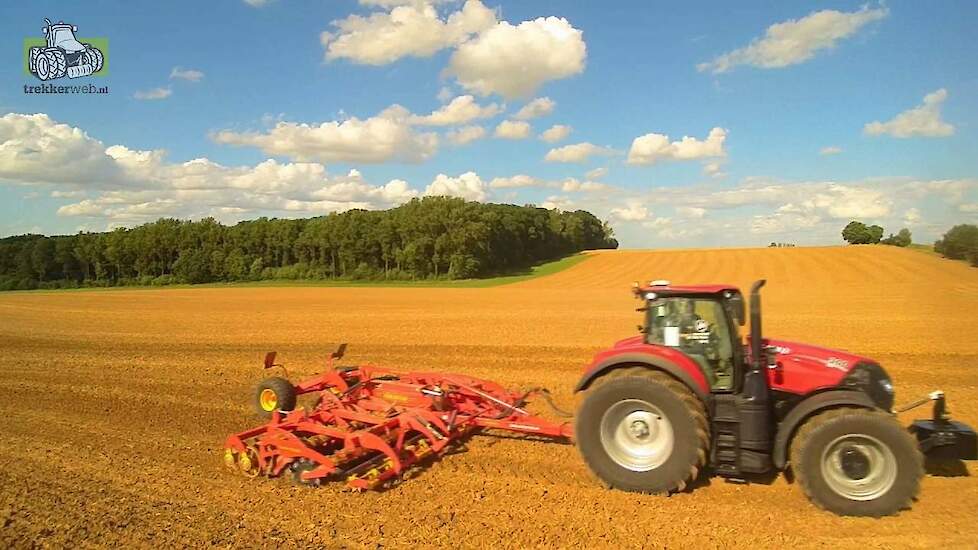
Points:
(691, 376)
(807, 407)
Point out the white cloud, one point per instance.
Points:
(191, 75)
(559, 203)
(796, 40)
(652, 148)
(465, 135)
(713, 169)
(691, 212)
(408, 29)
(468, 186)
(512, 129)
(382, 138)
(541, 106)
(155, 93)
(462, 109)
(633, 211)
(444, 94)
(911, 216)
(578, 152)
(970, 208)
(597, 173)
(567, 185)
(830, 150)
(923, 120)
(556, 133)
(514, 61)
(257, 3)
(519, 180)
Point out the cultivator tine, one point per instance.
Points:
(370, 426)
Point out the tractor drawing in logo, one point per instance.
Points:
(64, 54)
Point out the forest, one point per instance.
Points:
(429, 238)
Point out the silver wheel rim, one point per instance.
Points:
(636, 435)
(42, 67)
(858, 467)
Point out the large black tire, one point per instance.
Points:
(857, 462)
(672, 405)
(57, 63)
(273, 394)
(95, 57)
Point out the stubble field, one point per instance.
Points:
(114, 405)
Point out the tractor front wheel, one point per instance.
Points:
(274, 394)
(641, 430)
(857, 462)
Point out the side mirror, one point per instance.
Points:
(44, 30)
(74, 28)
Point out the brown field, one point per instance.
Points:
(116, 403)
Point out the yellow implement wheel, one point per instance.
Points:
(274, 394)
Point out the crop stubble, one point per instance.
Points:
(116, 403)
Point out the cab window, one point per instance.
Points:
(699, 328)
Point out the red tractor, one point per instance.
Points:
(684, 397)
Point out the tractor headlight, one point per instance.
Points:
(873, 380)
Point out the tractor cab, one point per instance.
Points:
(699, 321)
(62, 35)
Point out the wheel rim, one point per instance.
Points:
(859, 467)
(268, 400)
(42, 67)
(636, 435)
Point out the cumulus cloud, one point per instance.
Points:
(512, 129)
(191, 75)
(468, 186)
(382, 138)
(970, 208)
(633, 211)
(515, 60)
(465, 135)
(567, 185)
(126, 186)
(408, 29)
(796, 40)
(830, 150)
(461, 110)
(578, 152)
(541, 106)
(713, 169)
(691, 212)
(155, 93)
(911, 216)
(923, 120)
(652, 148)
(556, 133)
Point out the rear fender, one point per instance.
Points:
(692, 377)
(806, 408)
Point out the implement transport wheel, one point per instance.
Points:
(642, 430)
(857, 462)
(301, 466)
(273, 394)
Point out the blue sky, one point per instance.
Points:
(236, 110)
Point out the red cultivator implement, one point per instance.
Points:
(371, 424)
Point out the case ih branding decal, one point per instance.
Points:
(62, 54)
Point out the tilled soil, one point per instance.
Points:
(115, 405)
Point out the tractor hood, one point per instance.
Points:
(803, 368)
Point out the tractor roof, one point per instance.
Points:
(665, 288)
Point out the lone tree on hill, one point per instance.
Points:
(858, 233)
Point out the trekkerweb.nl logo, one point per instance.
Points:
(61, 54)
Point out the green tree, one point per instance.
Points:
(856, 232)
(960, 243)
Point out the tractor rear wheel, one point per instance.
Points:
(642, 430)
(857, 462)
(274, 394)
(95, 58)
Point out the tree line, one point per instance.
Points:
(960, 243)
(429, 238)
